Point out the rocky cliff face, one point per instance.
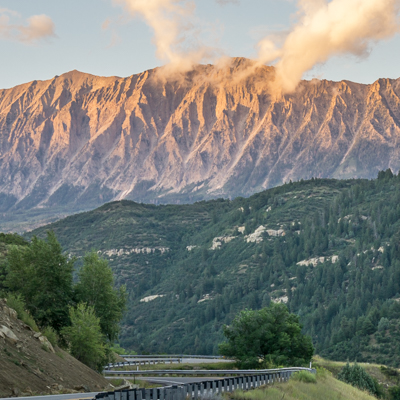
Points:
(83, 140)
(29, 365)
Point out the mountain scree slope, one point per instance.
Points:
(77, 141)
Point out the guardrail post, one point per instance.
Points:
(214, 386)
(162, 394)
(201, 389)
(138, 395)
(175, 393)
(124, 394)
(219, 387)
(195, 391)
(184, 390)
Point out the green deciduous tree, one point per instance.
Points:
(85, 338)
(96, 288)
(42, 274)
(270, 335)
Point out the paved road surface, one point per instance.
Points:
(176, 380)
(74, 396)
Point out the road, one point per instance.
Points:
(74, 396)
(175, 380)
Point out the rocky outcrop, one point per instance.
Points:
(83, 140)
(29, 364)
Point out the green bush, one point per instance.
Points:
(394, 393)
(304, 376)
(85, 337)
(16, 302)
(357, 376)
(51, 335)
(119, 350)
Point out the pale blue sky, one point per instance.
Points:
(82, 44)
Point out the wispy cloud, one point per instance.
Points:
(34, 29)
(326, 29)
(176, 32)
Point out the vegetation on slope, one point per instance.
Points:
(37, 279)
(325, 388)
(329, 249)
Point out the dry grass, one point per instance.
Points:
(373, 369)
(326, 388)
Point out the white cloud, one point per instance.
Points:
(326, 29)
(35, 28)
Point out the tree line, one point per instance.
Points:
(82, 314)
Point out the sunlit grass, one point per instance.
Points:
(326, 388)
(335, 367)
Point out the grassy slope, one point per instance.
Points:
(374, 370)
(326, 388)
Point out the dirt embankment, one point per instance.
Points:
(29, 365)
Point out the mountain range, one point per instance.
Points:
(77, 141)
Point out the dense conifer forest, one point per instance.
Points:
(329, 249)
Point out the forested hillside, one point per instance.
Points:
(329, 249)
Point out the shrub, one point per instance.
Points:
(356, 375)
(304, 376)
(16, 302)
(85, 337)
(51, 335)
(394, 393)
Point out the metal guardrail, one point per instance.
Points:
(142, 362)
(170, 356)
(205, 388)
(205, 372)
